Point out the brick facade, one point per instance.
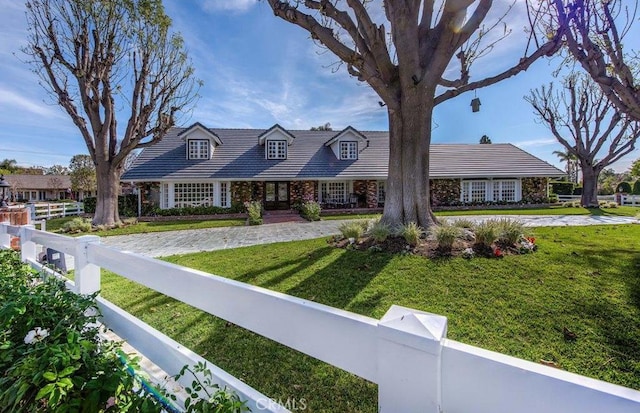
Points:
(444, 192)
(534, 190)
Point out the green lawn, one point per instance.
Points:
(626, 211)
(55, 224)
(585, 279)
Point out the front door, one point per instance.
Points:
(276, 195)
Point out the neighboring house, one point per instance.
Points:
(34, 188)
(224, 167)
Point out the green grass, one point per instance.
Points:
(625, 211)
(586, 279)
(55, 224)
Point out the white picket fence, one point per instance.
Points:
(48, 210)
(626, 200)
(416, 368)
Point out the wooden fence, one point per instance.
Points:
(53, 209)
(416, 368)
(626, 200)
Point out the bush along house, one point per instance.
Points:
(199, 166)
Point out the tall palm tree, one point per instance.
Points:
(571, 161)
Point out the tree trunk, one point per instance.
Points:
(589, 186)
(407, 198)
(108, 183)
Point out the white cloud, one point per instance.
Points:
(532, 143)
(12, 99)
(228, 5)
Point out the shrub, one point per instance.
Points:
(351, 230)
(624, 187)
(567, 204)
(577, 190)
(636, 187)
(486, 233)
(254, 209)
(445, 236)
(463, 223)
(411, 233)
(612, 204)
(77, 225)
(52, 355)
(53, 358)
(553, 198)
(380, 231)
(127, 205)
(310, 210)
(562, 188)
(509, 231)
(199, 210)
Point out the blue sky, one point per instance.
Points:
(259, 70)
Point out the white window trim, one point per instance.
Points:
(207, 145)
(489, 189)
(277, 143)
(168, 193)
(348, 145)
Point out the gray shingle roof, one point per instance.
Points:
(37, 182)
(240, 157)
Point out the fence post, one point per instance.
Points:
(5, 238)
(48, 210)
(409, 361)
(87, 275)
(64, 209)
(27, 247)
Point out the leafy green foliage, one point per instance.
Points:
(217, 400)
(310, 210)
(562, 188)
(77, 225)
(54, 360)
(636, 187)
(624, 187)
(254, 209)
(51, 356)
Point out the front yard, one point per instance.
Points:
(574, 304)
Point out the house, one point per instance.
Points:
(34, 188)
(226, 167)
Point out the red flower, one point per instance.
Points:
(531, 240)
(497, 252)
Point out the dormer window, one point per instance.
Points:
(199, 148)
(345, 144)
(349, 150)
(200, 142)
(276, 149)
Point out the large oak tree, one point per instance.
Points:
(104, 60)
(594, 34)
(588, 125)
(402, 49)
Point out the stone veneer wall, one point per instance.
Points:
(372, 194)
(444, 191)
(534, 190)
(258, 190)
(241, 192)
(300, 191)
